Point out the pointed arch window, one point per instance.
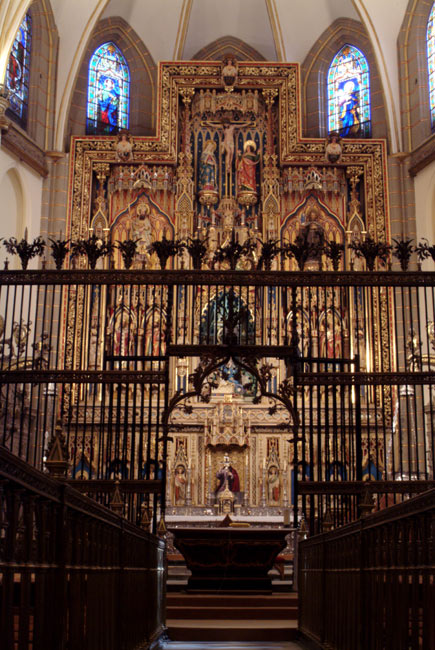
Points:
(430, 44)
(349, 93)
(18, 72)
(108, 91)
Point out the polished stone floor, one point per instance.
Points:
(234, 645)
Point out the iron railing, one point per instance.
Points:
(370, 584)
(344, 361)
(73, 574)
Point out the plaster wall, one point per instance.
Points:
(20, 207)
(425, 207)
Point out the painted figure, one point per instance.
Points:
(108, 102)
(246, 168)
(228, 475)
(207, 167)
(349, 113)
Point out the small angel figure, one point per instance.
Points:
(124, 146)
(333, 149)
(229, 72)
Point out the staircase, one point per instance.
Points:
(231, 617)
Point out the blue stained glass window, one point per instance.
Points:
(430, 44)
(108, 91)
(18, 72)
(349, 93)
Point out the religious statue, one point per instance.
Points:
(333, 149)
(330, 337)
(180, 485)
(142, 228)
(228, 145)
(313, 236)
(207, 168)
(229, 72)
(273, 487)
(247, 172)
(124, 146)
(123, 334)
(207, 174)
(228, 477)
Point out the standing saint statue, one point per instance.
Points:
(208, 194)
(207, 167)
(273, 486)
(180, 485)
(228, 477)
(247, 169)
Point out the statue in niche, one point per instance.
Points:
(124, 334)
(330, 337)
(333, 148)
(229, 72)
(180, 480)
(207, 168)
(142, 228)
(247, 168)
(124, 146)
(228, 477)
(273, 485)
(313, 235)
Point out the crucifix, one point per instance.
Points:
(229, 129)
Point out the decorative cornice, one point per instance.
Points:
(19, 143)
(422, 156)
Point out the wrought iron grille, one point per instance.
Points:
(92, 359)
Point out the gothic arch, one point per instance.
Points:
(143, 78)
(314, 72)
(226, 46)
(413, 74)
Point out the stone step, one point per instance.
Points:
(233, 600)
(229, 613)
(231, 630)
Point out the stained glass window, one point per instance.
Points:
(108, 91)
(17, 74)
(349, 93)
(430, 41)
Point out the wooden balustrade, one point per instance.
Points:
(72, 573)
(370, 585)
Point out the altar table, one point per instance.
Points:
(231, 558)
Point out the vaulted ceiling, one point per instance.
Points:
(280, 30)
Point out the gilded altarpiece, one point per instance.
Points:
(227, 163)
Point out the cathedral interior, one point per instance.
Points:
(217, 300)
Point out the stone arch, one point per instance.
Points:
(314, 71)
(42, 81)
(413, 74)
(143, 78)
(226, 46)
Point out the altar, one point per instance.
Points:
(230, 558)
